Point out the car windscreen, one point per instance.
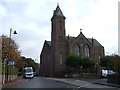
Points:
(28, 70)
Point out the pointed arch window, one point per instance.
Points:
(60, 26)
(87, 51)
(61, 58)
(77, 50)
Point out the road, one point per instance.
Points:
(40, 82)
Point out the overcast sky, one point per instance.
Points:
(31, 20)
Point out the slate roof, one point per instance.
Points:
(95, 42)
(70, 38)
(58, 11)
(49, 43)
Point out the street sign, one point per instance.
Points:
(11, 62)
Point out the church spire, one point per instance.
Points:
(58, 11)
(57, 3)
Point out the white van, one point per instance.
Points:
(28, 72)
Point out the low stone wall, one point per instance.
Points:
(84, 75)
(77, 75)
(89, 75)
(114, 78)
(12, 77)
(0, 82)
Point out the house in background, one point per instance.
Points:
(55, 52)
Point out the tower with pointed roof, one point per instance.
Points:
(58, 25)
(56, 51)
(58, 40)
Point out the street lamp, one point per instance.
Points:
(81, 71)
(9, 57)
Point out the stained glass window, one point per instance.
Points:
(87, 51)
(77, 50)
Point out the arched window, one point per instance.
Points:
(61, 58)
(87, 51)
(77, 50)
(60, 25)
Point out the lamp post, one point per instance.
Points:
(9, 56)
(81, 71)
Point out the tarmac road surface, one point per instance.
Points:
(40, 82)
(43, 83)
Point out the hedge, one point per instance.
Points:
(114, 78)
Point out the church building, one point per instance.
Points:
(55, 52)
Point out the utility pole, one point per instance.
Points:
(9, 56)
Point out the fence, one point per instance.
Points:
(10, 75)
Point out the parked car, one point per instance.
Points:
(105, 73)
(35, 74)
(110, 72)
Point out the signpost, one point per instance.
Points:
(11, 62)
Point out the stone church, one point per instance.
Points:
(55, 52)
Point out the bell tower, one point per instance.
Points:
(58, 40)
(58, 25)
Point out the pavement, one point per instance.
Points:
(87, 83)
(17, 80)
(102, 82)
